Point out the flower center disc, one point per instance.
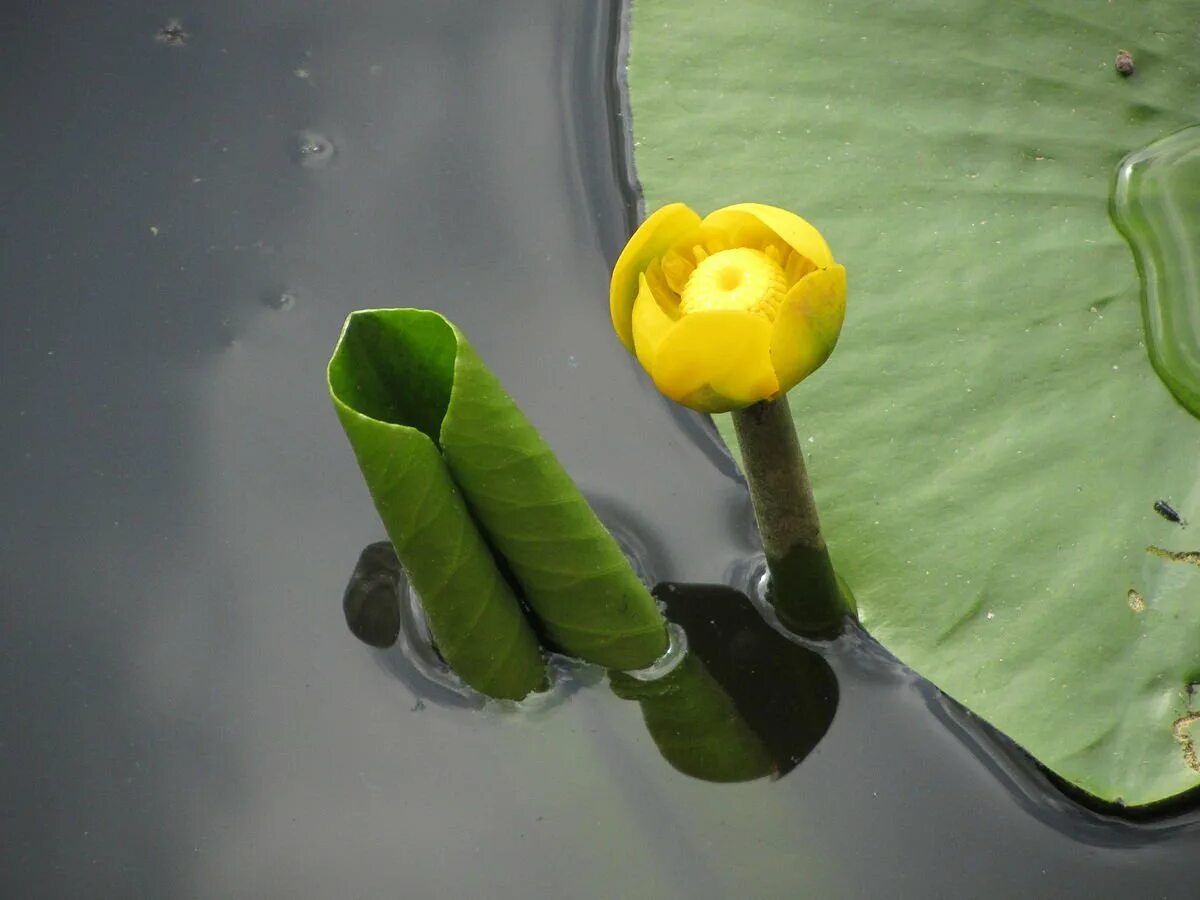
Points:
(740, 278)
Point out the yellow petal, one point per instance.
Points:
(797, 266)
(795, 231)
(677, 269)
(807, 325)
(716, 360)
(661, 229)
(727, 228)
(652, 319)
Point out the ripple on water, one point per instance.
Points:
(279, 300)
(1156, 206)
(313, 150)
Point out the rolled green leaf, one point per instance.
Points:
(384, 396)
(403, 379)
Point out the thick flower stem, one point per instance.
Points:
(803, 587)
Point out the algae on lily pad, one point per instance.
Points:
(988, 443)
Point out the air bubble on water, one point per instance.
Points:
(314, 150)
(677, 648)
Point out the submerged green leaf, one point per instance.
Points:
(744, 703)
(695, 725)
(455, 468)
(989, 440)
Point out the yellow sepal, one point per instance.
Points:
(653, 237)
(807, 325)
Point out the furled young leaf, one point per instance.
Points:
(575, 577)
(989, 439)
(416, 370)
(388, 386)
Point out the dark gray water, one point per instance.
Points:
(184, 224)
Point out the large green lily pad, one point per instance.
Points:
(989, 439)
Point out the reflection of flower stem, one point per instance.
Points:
(803, 586)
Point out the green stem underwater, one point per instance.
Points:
(803, 586)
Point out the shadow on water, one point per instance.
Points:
(742, 702)
(1054, 802)
(746, 700)
(781, 694)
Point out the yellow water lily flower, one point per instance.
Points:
(724, 311)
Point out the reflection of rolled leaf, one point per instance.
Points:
(453, 467)
(371, 601)
(695, 725)
(746, 701)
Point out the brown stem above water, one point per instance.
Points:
(803, 587)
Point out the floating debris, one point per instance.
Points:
(1181, 556)
(1181, 729)
(1167, 511)
(1136, 601)
(1124, 63)
(172, 34)
(313, 150)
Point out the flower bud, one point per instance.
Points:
(728, 310)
